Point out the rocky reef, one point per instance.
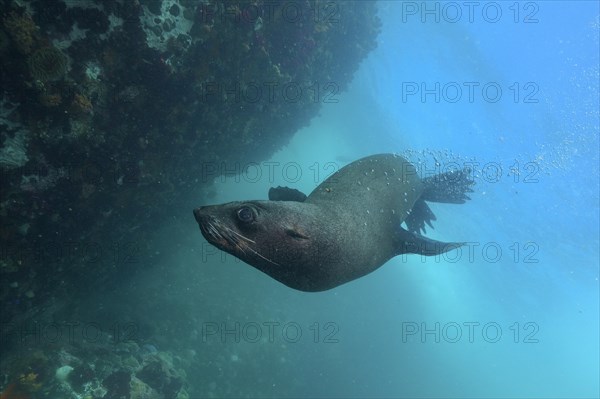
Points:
(109, 109)
(99, 370)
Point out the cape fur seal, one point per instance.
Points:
(346, 228)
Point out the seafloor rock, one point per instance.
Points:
(160, 375)
(141, 390)
(118, 384)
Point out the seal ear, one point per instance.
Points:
(296, 234)
(286, 194)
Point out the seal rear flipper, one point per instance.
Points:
(413, 243)
(280, 193)
(419, 215)
(450, 187)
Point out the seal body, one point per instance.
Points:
(350, 225)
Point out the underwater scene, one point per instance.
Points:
(299, 199)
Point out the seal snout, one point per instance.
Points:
(202, 218)
(205, 222)
(198, 215)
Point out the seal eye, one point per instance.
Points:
(245, 214)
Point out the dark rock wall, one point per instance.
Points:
(110, 110)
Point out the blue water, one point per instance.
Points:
(515, 314)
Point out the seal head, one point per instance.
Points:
(276, 237)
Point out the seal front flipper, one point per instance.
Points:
(286, 194)
(413, 243)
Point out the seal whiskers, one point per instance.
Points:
(268, 260)
(221, 232)
(248, 246)
(239, 235)
(232, 239)
(214, 232)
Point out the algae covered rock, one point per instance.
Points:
(47, 64)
